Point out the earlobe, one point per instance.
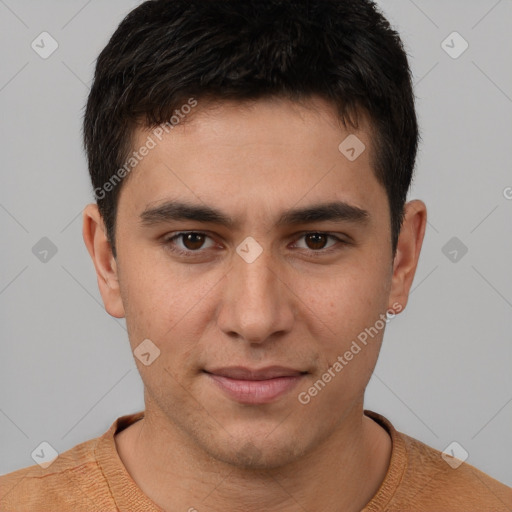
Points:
(100, 250)
(408, 252)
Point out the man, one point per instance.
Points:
(251, 162)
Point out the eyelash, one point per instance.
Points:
(168, 242)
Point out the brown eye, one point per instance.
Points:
(193, 241)
(189, 243)
(319, 243)
(316, 241)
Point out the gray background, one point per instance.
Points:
(66, 370)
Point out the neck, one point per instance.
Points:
(341, 474)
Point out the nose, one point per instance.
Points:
(257, 302)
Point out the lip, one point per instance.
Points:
(255, 386)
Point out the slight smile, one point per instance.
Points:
(261, 386)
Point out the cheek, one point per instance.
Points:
(165, 303)
(349, 345)
(345, 315)
(349, 300)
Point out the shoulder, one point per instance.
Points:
(65, 482)
(82, 478)
(433, 481)
(423, 479)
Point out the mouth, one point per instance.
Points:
(255, 386)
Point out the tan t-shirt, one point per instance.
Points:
(91, 477)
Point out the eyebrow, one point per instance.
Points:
(178, 210)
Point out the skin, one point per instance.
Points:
(196, 447)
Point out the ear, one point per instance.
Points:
(100, 250)
(407, 253)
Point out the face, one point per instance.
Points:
(254, 283)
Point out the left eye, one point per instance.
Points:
(318, 240)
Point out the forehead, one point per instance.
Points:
(267, 152)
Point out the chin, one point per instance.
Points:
(257, 453)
